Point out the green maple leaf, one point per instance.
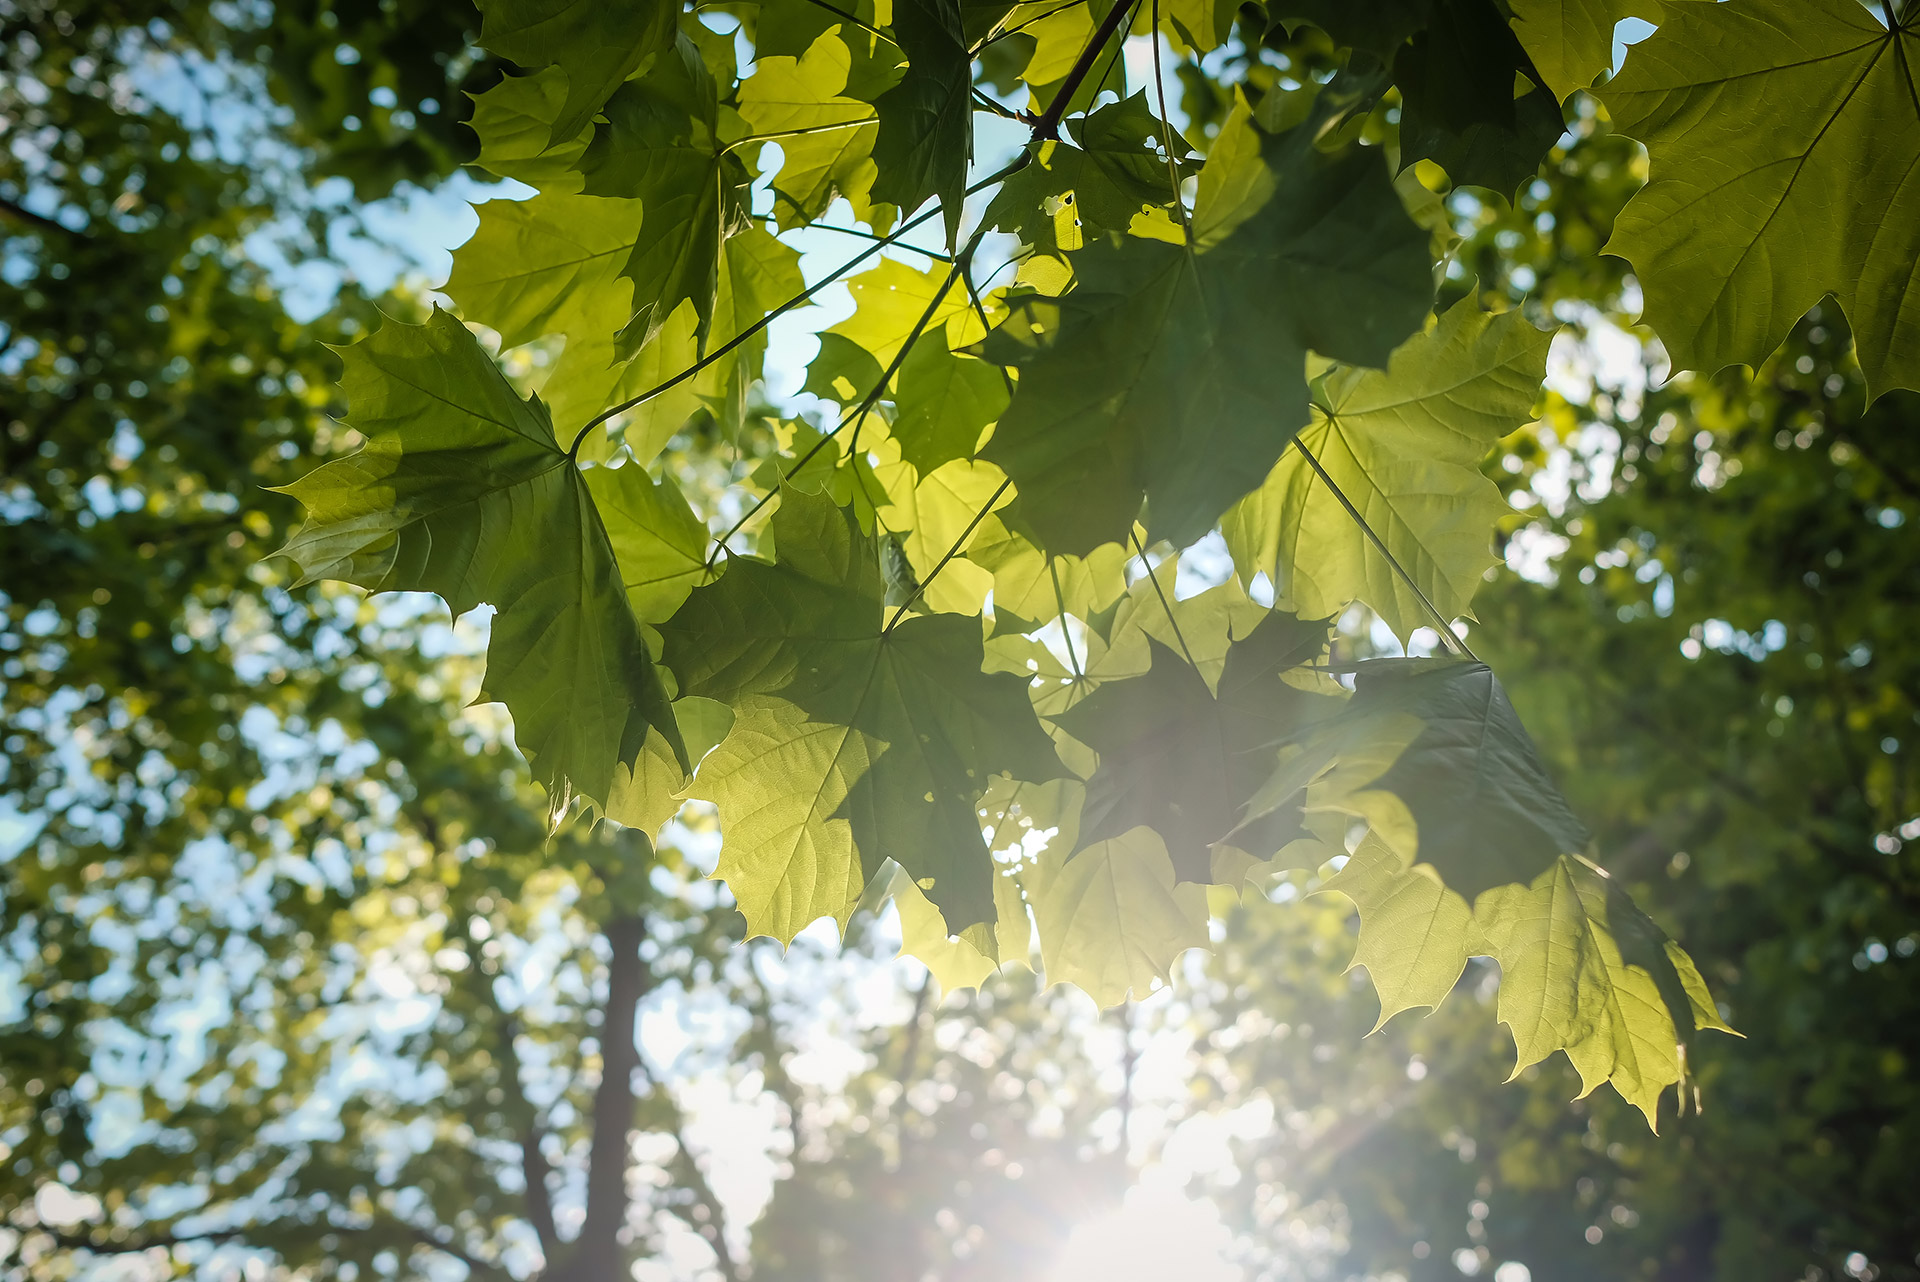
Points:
(646, 794)
(550, 265)
(1113, 917)
(1784, 141)
(890, 299)
(780, 782)
(931, 727)
(514, 123)
(660, 146)
(825, 137)
(1404, 446)
(660, 544)
(459, 479)
(843, 372)
(926, 120)
(1176, 373)
(1201, 25)
(788, 28)
(963, 959)
(597, 43)
(1571, 41)
(1032, 585)
(1116, 168)
(757, 273)
(1584, 971)
(1458, 108)
(1416, 934)
(1183, 760)
(943, 403)
(1484, 811)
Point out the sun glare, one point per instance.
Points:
(1156, 1234)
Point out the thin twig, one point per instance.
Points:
(1000, 109)
(937, 255)
(1018, 163)
(1060, 606)
(1447, 635)
(1166, 128)
(952, 552)
(858, 22)
(1048, 126)
(775, 135)
(1164, 603)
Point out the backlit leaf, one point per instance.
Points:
(1784, 140)
(1415, 933)
(1112, 918)
(812, 628)
(926, 120)
(1404, 446)
(1183, 759)
(1571, 41)
(459, 479)
(597, 43)
(1209, 345)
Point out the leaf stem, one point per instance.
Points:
(1445, 626)
(1166, 129)
(773, 135)
(937, 255)
(856, 21)
(1164, 603)
(952, 552)
(1019, 162)
(1000, 109)
(1060, 608)
(859, 414)
(1048, 126)
(1000, 33)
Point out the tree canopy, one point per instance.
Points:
(1066, 605)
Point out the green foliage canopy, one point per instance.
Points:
(1228, 356)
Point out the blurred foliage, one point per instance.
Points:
(291, 969)
(375, 91)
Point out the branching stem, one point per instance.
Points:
(859, 414)
(573, 451)
(952, 552)
(1048, 126)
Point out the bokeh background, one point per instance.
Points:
(296, 983)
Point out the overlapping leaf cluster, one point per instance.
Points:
(920, 638)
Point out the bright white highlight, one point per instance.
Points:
(1157, 1234)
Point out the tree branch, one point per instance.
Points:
(713, 1229)
(1048, 126)
(597, 1251)
(25, 215)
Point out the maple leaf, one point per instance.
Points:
(1784, 143)
(933, 728)
(459, 478)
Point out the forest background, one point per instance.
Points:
(294, 981)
